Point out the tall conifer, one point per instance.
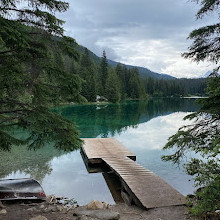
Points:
(30, 82)
(104, 71)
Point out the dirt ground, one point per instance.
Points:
(21, 211)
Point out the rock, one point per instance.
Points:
(39, 217)
(47, 200)
(95, 205)
(3, 212)
(33, 209)
(1, 205)
(101, 214)
(33, 204)
(51, 199)
(65, 210)
(105, 205)
(51, 209)
(42, 206)
(62, 209)
(59, 208)
(83, 217)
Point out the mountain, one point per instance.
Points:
(143, 72)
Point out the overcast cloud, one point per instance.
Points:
(148, 33)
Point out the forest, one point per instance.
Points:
(29, 86)
(114, 84)
(40, 67)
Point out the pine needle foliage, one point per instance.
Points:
(203, 135)
(32, 77)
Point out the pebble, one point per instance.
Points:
(51, 209)
(1, 205)
(42, 206)
(59, 208)
(3, 212)
(105, 205)
(33, 204)
(39, 217)
(83, 217)
(33, 209)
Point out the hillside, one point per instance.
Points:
(143, 72)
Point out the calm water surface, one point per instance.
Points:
(143, 127)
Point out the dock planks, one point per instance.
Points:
(143, 185)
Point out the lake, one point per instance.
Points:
(142, 126)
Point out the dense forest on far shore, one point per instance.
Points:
(120, 82)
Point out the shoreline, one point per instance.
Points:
(123, 101)
(51, 209)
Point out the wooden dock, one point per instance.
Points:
(144, 187)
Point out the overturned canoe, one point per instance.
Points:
(26, 188)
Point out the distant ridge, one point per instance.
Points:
(143, 72)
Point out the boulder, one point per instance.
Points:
(95, 205)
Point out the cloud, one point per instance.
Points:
(148, 33)
(153, 134)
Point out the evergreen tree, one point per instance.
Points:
(87, 72)
(112, 90)
(104, 72)
(136, 91)
(121, 75)
(203, 136)
(30, 82)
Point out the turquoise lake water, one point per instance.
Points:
(142, 126)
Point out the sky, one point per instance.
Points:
(147, 33)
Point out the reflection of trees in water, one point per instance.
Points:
(92, 121)
(105, 120)
(158, 106)
(35, 163)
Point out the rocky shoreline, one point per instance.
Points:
(57, 208)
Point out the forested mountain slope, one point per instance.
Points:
(143, 72)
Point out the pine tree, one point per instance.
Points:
(121, 75)
(112, 90)
(134, 84)
(104, 72)
(30, 82)
(203, 135)
(87, 72)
